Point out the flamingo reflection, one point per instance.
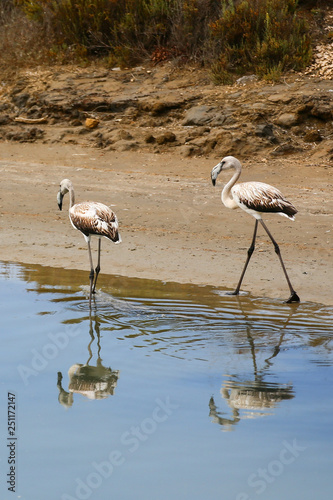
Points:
(93, 382)
(254, 397)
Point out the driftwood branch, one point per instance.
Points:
(21, 119)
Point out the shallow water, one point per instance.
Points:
(165, 391)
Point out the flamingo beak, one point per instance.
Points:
(215, 172)
(59, 200)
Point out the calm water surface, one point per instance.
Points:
(165, 391)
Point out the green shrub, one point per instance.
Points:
(266, 37)
(140, 26)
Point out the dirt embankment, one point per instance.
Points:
(164, 109)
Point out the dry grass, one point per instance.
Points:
(21, 42)
(232, 37)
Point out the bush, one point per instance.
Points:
(266, 37)
(103, 26)
(21, 42)
(233, 37)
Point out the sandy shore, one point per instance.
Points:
(173, 225)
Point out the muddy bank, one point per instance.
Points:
(160, 109)
(173, 225)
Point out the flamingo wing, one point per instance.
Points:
(262, 197)
(95, 218)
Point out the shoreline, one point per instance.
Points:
(172, 222)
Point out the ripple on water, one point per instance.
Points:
(180, 317)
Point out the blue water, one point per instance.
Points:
(164, 391)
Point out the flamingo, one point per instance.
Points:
(255, 198)
(92, 219)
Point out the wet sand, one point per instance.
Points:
(172, 222)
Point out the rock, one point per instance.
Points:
(149, 139)
(199, 115)
(266, 131)
(322, 111)
(91, 123)
(4, 119)
(220, 119)
(280, 98)
(245, 80)
(165, 138)
(305, 108)
(287, 120)
(20, 100)
(312, 136)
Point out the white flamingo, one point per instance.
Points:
(255, 198)
(92, 219)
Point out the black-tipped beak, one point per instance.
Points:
(59, 200)
(215, 172)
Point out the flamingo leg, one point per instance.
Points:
(91, 275)
(293, 295)
(98, 267)
(249, 255)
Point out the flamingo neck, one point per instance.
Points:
(226, 195)
(71, 196)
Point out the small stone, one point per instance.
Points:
(244, 80)
(91, 123)
(287, 120)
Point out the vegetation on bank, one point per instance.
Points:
(230, 37)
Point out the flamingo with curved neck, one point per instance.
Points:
(255, 198)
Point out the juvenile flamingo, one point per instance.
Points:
(255, 198)
(92, 219)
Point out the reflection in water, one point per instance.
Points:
(252, 398)
(180, 346)
(242, 336)
(94, 382)
(248, 400)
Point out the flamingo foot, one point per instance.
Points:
(293, 298)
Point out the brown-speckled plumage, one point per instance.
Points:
(95, 218)
(255, 198)
(262, 197)
(91, 218)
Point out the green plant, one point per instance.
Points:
(266, 37)
(220, 75)
(262, 36)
